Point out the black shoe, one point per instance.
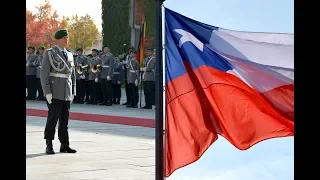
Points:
(129, 105)
(103, 103)
(134, 106)
(66, 149)
(49, 148)
(125, 103)
(109, 104)
(146, 107)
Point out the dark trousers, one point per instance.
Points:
(87, 90)
(133, 94)
(95, 89)
(39, 88)
(81, 90)
(116, 92)
(148, 88)
(128, 93)
(58, 109)
(106, 87)
(31, 82)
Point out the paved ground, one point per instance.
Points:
(105, 152)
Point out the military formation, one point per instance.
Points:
(100, 76)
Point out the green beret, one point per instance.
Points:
(61, 33)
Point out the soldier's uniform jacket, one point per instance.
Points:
(81, 60)
(133, 70)
(58, 74)
(107, 63)
(94, 61)
(31, 61)
(38, 64)
(150, 64)
(118, 72)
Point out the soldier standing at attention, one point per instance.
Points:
(59, 86)
(87, 84)
(38, 64)
(117, 80)
(148, 78)
(133, 73)
(125, 63)
(83, 63)
(93, 78)
(106, 76)
(31, 72)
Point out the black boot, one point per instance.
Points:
(66, 149)
(49, 148)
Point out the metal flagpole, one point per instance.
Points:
(159, 94)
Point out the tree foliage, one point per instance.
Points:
(115, 24)
(41, 27)
(83, 32)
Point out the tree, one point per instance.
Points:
(115, 24)
(34, 30)
(82, 32)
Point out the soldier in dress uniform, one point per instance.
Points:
(117, 80)
(59, 87)
(87, 84)
(107, 61)
(125, 62)
(148, 78)
(94, 84)
(38, 64)
(31, 72)
(81, 61)
(133, 72)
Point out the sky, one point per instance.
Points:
(268, 160)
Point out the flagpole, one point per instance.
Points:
(159, 94)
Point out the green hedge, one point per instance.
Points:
(115, 24)
(150, 16)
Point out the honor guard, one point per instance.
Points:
(38, 64)
(133, 72)
(117, 80)
(107, 61)
(31, 72)
(148, 78)
(125, 62)
(81, 69)
(59, 86)
(94, 71)
(87, 84)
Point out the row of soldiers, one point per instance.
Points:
(99, 77)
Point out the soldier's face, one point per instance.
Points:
(117, 59)
(79, 53)
(105, 50)
(65, 41)
(40, 51)
(149, 53)
(94, 53)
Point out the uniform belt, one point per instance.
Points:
(116, 72)
(133, 71)
(105, 66)
(59, 75)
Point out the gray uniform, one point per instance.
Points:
(107, 62)
(81, 60)
(133, 70)
(117, 72)
(58, 75)
(150, 64)
(38, 64)
(31, 61)
(94, 61)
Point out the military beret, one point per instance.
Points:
(105, 46)
(31, 47)
(150, 49)
(80, 49)
(116, 56)
(133, 51)
(41, 48)
(89, 55)
(96, 50)
(61, 33)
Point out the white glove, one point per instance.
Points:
(143, 69)
(108, 78)
(119, 82)
(82, 76)
(49, 98)
(136, 82)
(96, 80)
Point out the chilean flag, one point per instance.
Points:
(238, 85)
